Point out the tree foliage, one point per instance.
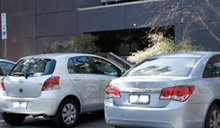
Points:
(80, 44)
(162, 45)
(190, 15)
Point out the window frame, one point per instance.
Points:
(210, 58)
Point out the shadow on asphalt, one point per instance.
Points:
(92, 120)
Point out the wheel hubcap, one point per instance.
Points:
(69, 114)
(215, 119)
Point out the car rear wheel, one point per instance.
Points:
(13, 119)
(213, 117)
(67, 114)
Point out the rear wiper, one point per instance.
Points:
(26, 75)
(18, 74)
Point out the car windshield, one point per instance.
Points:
(171, 66)
(33, 67)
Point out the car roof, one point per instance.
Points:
(56, 55)
(196, 54)
(3, 60)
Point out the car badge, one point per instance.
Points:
(21, 81)
(21, 90)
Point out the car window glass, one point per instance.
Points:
(34, 67)
(170, 66)
(79, 65)
(5, 68)
(1, 72)
(105, 67)
(212, 68)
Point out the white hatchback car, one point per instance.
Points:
(60, 86)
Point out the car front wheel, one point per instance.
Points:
(13, 119)
(213, 117)
(67, 114)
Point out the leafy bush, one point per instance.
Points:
(79, 44)
(162, 45)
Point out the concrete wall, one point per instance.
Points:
(33, 25)
(21, 22)
(199, 21)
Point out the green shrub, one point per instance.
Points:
(80, 44)
(162, 45)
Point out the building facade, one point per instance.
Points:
(34, 25)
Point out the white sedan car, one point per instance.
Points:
(60, 86)
(177, 90)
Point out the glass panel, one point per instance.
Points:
(79, 65)
(34, 67)
(5, 68)
(164, 67)
(212, 68)
(105, 67)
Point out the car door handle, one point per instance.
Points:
(77, 79)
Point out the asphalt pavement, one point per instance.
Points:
(92, 120)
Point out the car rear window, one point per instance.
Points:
(33, 67)
(171, 66)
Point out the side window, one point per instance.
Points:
(1, 72)
(79, 65)
(104, 67)
(212, 68)
(5, 68)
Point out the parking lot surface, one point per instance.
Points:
(92, 120)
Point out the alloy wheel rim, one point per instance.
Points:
(69, 114)
(215, 119)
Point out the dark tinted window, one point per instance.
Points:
(181, 66)
(105, 67)
(79, 65)
(34, 67)
(212, 68)
(5, 68)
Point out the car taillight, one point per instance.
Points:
(179, 93)
(51, 83)
(2, 83)
(112, 92)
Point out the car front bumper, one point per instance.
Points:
(175, 115)
(47, 104)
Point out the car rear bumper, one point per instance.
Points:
(46, 104)
(175, 115)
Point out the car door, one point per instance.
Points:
(106, 71)
(211, 74)
(85, 81)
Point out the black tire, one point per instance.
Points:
(67, 106)
(211, 121)
(13, 119)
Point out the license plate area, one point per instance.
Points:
(139, 99)
(19, 105)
